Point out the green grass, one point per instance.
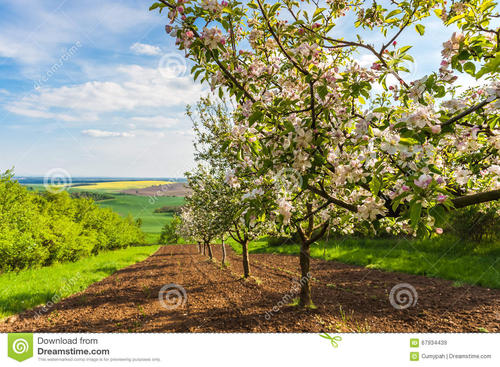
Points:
(143, 207)
(137, 206)
(441, 258)
(29, 288)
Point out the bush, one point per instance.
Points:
(170, 232)
(275, 241)
(168, 209)
(476, 223)
(41, 229)
(96, 196)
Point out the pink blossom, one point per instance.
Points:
(168, 28)
(439, 230)
(189, 34)
(405, 188)
(224, 3)
(180, 9)
(423, 181)
(436, 129)
(441, 198)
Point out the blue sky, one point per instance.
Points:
(82, 88)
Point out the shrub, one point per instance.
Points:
(476, 223)
(168, 209)
(40, 229)
(170, 232)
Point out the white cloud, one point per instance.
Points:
(145, 49)
(139, 88)
(26, 110)
(159, 122)
(106, 134)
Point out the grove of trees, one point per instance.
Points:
(314, 140)
(38, 229)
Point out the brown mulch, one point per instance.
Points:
(348, 299)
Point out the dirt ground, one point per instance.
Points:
(348, 299)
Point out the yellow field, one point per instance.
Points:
(120, 185)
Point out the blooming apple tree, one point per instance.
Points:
(304, 101)
(397, 158)
(212, 124)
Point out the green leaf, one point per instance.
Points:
(415, 211)
(255, 116)
(404, 49)
(491, 66)
(420, 29)
(375, 185)
(322, 91)
(318, 11)
(439, 214)
(470, 68)
(393, 13)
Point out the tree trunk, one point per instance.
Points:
(204, 248)
(305, 287)
(246, 263)
(223, 253)
(199, 248)
(209, 251)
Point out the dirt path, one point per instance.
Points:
(348, 298)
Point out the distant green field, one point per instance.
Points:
(143, 207)
(137, 206)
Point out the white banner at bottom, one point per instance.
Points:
(115, 350)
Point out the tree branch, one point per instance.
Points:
(468, 111)
(350, 207)
(482, 197)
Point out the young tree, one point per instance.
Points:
(213, 124)
(395, 159)
(207, 205)
(171, 230)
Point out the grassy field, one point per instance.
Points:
(137, 206)
(117, 186)
(143, 207)
(442, 258)
(29, 288)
